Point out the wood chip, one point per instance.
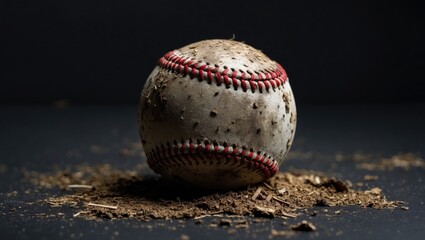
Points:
(268, 186)
(269, 197)
(80, 186)
(317, 179)
(80, 212)
(102, 205)
(291, 215)
(280, 200)
(254, 197)
(207, 215)
(281, 191)
(290, 179)
(264, 212)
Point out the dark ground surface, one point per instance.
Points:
(42, 137)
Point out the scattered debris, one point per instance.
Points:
(184, 237)
(370, 177)
(97, 149)
(314, 213)
(322, 203)
(242, 223)
(213, 225)
(368, 161)
(225, 222)
(291, 215)
(133, 149)
(404, 161)
(284, 233)
(263, 212)
(304, 226)
(3, 168)
(12, 194)
(335, 183)
(374, 191)
(144, 197)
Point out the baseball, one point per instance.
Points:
(217, 114)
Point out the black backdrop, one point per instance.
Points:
(102, 51)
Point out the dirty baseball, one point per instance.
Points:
(217, 114)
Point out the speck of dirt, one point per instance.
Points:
(304, 226)
(286, 100)
(3, 168)
(370, 177)
(196, 123)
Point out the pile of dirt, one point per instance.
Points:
(106, 192)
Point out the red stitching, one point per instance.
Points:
(188, 153)
(259, 80)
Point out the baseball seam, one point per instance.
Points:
(189, 153)
(256, 80)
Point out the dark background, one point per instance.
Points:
(102, 51)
